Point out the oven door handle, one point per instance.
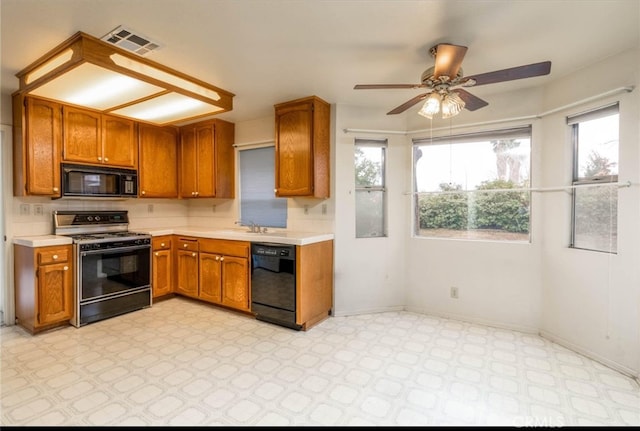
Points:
(115, 250)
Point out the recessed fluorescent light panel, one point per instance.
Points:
(94, 73)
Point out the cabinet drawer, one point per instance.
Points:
(162, 243)
(190, 244)
(225, 247)
(57, 255)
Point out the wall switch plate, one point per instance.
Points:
(324, 209)
(150, 208)
(25, 209)
(38, 209)
(306, 209)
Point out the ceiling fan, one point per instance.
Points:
(445, 81)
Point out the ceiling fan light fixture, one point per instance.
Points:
(431, 106)
(452, 104)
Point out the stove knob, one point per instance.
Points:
(89, 218)
(97, 218)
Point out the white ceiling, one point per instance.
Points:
(271, 51)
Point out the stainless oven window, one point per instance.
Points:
(113, 271)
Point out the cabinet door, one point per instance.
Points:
(294, 151)
(43, 144)
(55, 293)
(188, 163)
(235, 282)
(206, 175)
(82, 137)
(187, 277)
(119, 142)
(161, 281)
(158, 162)
(210, 275)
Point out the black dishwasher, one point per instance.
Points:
(273, 283)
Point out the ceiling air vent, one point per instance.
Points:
(129, 40)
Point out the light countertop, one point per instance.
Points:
(279, 237)
(241, 234)
(42, 240)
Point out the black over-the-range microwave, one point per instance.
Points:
(96, 181)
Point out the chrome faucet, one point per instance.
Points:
(253, 228)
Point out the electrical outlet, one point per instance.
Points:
(150, 208)
(38, 209)
(25, 209)
(324, 209)
(306, 209)
(213, 208)
(454, 292)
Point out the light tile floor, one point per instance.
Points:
(182, 362)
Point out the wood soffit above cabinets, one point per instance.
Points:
(87, 72)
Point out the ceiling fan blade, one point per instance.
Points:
(408, 104)
(471, 102)
(528, 71)
(448, 59)
(386, 86)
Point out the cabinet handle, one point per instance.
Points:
(157, 254)
(217, 257)
(143, 192)
(185, 245)
(106, 159)
(99, 159)
(66, 268)
(162, 244)
(275, 190)
(221, 259)
(55, 257)
(193, 254)
(197, 193)
(55, 189)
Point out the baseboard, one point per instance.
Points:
(374, 310)
(634, 374)
(476, 320)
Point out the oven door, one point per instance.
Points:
(111, 282)
(109, 272)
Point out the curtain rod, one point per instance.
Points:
(530, 189)
(627, 89)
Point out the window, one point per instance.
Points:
(473, 186)
(595, 177)
(258, 203)
(370, 188)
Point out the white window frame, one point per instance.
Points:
(381, 187)
(481, 136)
(581, 183)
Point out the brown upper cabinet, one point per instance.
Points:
(37, 140)
(302, 148)
(207, 160)
(158, 161)
(98, 139)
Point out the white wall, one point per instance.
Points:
(498, 282)
(590, 300)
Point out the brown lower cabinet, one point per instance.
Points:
(43, 286)
(219, 272)
(215, 271)
(162, 266)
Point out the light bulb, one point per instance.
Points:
(431, 106)
(452, 104)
